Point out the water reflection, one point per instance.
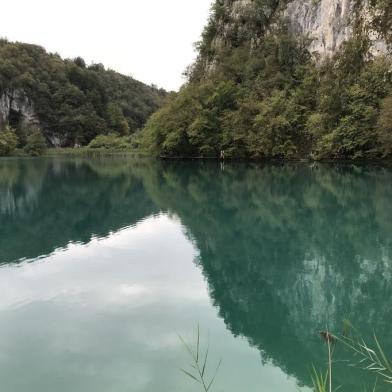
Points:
(285, 250)
(289, 250)
(45, 204)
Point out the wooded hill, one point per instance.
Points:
(256, 90)
(71, 102)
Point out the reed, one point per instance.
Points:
(371, 358)
(199, 363)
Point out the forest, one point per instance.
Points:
(261, 94)
(255, 91)
(73, 102)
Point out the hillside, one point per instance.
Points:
(70, 101)
(279, 79)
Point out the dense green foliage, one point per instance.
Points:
(8, 141)
(382, 18)
(110, 142)
(73, 102)
(258, 93)
(35, 143)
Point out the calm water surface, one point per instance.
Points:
(104, 262)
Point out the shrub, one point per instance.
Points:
(109, 142)
(385, 127)
(36, 143)
(8, 141)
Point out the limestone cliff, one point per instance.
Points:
(285, 79)
(328, 23)
(17, 108)
(14, 103)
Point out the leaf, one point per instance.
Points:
(198, 343)
(385, 359)
(213, 378)
(186, 345)
(206, 358)
(190, 375)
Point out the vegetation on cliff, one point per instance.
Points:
(73, 102)
(8, 141)
(255, 91)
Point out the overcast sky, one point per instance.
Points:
(151, 40)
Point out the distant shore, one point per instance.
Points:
(88, 152)
(81, 152)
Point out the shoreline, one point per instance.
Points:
(86, 152)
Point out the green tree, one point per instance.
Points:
(110, 142)
(8, 141)
(278, 131)
(237, 126)
(116, 120)
(35, 143)
(73, 101)
(255, 91)
(384, 127)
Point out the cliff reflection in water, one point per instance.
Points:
(286, 250)
(289, 250)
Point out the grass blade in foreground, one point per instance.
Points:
(199, 366)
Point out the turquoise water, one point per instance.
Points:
(104, 262)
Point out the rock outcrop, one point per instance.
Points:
(16, 106)
(328, 23)
(18, 110)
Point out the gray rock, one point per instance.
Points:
(17, 101)
(328, 23)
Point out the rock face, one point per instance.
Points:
(18, 110)
(15, 105)
(328, 23)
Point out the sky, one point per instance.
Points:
(150, 40)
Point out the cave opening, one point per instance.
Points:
(15, 118)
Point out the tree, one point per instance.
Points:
(36, 143)
(109, 142)
(74, 102)
(237, 126)
(8, 141)
(384, 127)
(278, 130)
(255, 91)
(116, 120)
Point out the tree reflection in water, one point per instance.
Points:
(286, 250)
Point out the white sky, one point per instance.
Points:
(151, 40)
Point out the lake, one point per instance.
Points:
(104, 262)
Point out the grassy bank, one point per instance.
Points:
(91, 152)
(83, 152)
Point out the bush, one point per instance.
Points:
(36, 143)
(8, 141)
(110, 142)
(385, 127)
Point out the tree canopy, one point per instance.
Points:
(255, 91)
(73, 101)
